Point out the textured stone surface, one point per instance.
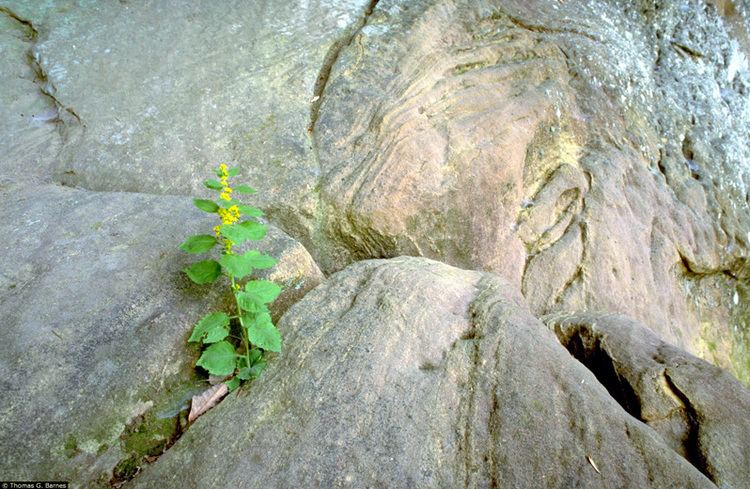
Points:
(699, 410)
(593, 153)
(576, 148)
(164, 90)
(96, 316)
(411, 373)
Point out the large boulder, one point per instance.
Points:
(593, 153)
(95, 368)
(411, 373)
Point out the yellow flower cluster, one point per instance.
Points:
(229, 216)
(226, 191)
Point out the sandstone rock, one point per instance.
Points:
(95, 368)
(603, 143)
(699, 410)
(166, 89)
(411, 373)
(30, 122)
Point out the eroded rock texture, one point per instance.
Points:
(593, 153)
(411, 373)
(564, 156)
(698, 409)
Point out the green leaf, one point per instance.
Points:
(244, 231)
(263, 334)
(253, 372)
(259, 260)
(244, 189)
(204, 272)
(213, 184)
(233, 172)
(242, 265)
(198, 244)
(219, 359)
(249, 303)
(249, 210)
(264, 291)
(206, 205)
(256, 230)
(233, 383)
(212, 328)
(237, 265)
(255, 355)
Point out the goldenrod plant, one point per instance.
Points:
(236, 357)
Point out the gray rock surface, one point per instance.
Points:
(592, 153)
(573, 147)
(699, 410)
(411, 373)
(94, 362)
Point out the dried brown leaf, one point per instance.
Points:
(207, 400)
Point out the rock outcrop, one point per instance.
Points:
(94, 363)
(411, 373)
(554, 158)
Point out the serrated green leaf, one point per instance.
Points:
(213, 184)
(199, 243)
(250, 304)
(263, 334)
(237, 265)
(259, 260)
(233, 383)
(244, 189)
(253, 372)
(206, 205)
(212, 328)
(204, 272)
(219, 359)
(233, 172)
(256, 230)
(249, 210)
(264, 291)
(244, 231)
(242, 265)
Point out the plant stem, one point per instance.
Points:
(242, 323)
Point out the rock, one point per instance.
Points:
(165, 89)
(698, 409)
(411, 373)
(29, 120)
(577, 148)
(95, 368)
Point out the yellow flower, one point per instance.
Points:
(217, 230)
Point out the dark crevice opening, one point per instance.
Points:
(592, 355)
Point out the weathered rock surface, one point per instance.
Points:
(698, 409)
(594, 153)
(412, 373)
(94, 364)
(576, 148)
(163, 91)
